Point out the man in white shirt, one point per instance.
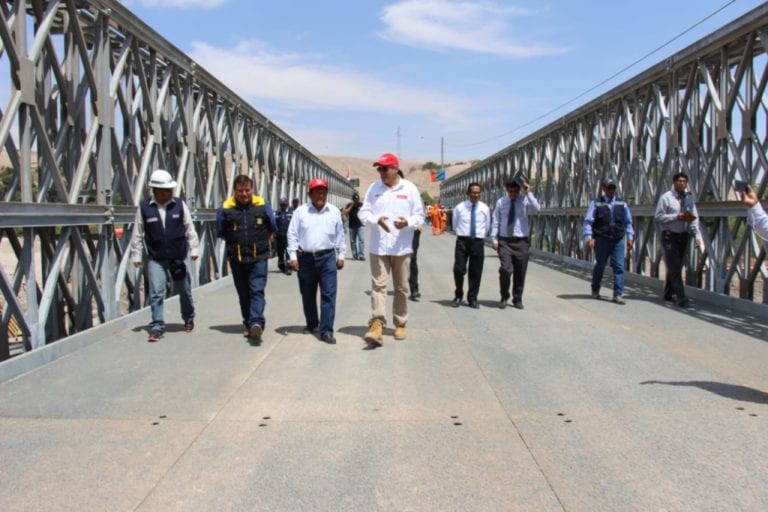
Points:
(677, 218)
(392, 210)
(164, 227)
(510, 234)
(756, 216)
(316, 250)
(470, 221)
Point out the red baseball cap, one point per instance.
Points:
(318, 182)
(387, 159)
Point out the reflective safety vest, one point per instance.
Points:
(610, 219)
(169, 242)
(246, 230)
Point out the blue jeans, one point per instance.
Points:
(250, 280)
(615, 248)
(319, 271)
(357, 242)
(159, 280)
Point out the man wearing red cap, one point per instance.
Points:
(392, 210)
(316, 250)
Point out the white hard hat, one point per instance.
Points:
(161, 179)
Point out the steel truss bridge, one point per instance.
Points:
(97, 100)
(702, 111)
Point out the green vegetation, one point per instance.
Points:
(427, 199)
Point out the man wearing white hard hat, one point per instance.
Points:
(164, 227)
(316, 251)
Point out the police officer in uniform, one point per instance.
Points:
(606, 222)
(247, 223)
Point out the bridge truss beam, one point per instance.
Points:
(97, 100)
(703, 111)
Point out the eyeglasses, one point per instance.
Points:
(382, 168)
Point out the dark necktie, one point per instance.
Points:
(511, 219)
(472, 221)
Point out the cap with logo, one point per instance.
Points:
(608, 183)
(387, 160)
(318, 182)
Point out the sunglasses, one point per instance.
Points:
(382, 168)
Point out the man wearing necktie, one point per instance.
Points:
(607, 220)
(510, 234)
(470, 221)
(677, 218)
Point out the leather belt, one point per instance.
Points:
(513, 238)
(321, 252)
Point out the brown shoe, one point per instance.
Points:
(400, 332)
(375, 334)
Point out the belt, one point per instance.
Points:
(469, 238)
(513, 238)
(321, 252)
(674, 233)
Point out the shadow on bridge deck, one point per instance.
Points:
(570, 404)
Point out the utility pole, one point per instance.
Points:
(442, 152)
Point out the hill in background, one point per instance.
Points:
(362, 168)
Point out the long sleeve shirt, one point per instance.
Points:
(666, 215)
(524, 205)
(402, 200)
(758, 219)
(462, 215)
(589, 217)
(137, 242)
(315, 230)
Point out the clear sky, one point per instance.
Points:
(363, 77)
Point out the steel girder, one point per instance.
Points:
(96, 101)
(703, 111)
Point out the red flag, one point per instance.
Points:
(432, 176)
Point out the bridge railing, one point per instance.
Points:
(702, 111)
(95, 100)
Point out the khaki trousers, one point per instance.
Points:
(381, 267)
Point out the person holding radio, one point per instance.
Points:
(677, 218)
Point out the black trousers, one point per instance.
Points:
(674, 246)
(282, 251)
(513, 257)
(468, 257)
(413, 280)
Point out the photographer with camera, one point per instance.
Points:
(164, 225)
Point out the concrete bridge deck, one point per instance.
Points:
(572, 404)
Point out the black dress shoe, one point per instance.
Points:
(503, 304)
(328, 338)
(309, 330)
(474, 305)
(518, 305)
(684, 303)
(456, 302)
(414, 297)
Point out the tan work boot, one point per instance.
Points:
(375, 334)
(400, 332)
